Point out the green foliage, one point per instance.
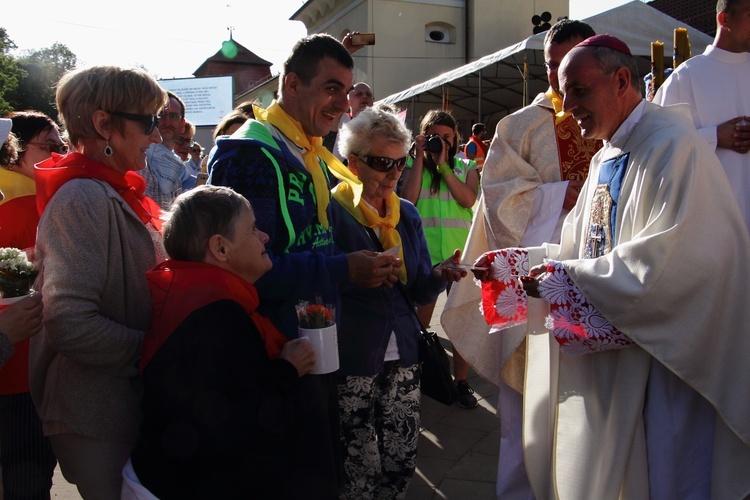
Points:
(10, 73)
(28, 82)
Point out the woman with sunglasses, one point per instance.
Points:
(38, 137)
(98, 235)
(378, 333)
(26, 456)
(444, 189)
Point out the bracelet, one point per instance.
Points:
(444, 170)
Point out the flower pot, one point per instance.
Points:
(325, 343)
(12, 300)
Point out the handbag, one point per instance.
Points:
(436, 381)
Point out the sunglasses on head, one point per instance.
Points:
(383, 163)
(150, 121)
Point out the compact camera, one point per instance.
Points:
(434, 143)
(363, 38)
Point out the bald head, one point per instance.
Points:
(360, 97)
(600, 88)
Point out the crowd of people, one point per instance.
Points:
(160, 355)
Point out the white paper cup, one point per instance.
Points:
(325, 343)
(7, 302)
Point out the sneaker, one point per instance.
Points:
(466, 397)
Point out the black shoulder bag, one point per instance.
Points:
(436, 381)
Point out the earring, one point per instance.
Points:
(108, 149)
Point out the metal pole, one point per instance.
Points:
(479, 104)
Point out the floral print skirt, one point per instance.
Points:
(380, 418)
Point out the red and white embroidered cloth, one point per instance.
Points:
(576, 324)
(504, 301)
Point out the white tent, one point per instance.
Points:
(491, 87)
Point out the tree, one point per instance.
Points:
(43, 68)
(10, 72)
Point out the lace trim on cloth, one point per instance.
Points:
(504, 302)
(577, 325)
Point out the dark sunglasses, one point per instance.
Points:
(383, 163)
(150, 121)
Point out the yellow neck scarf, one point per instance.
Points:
(557, 104)
(389, 237)
(314, 152)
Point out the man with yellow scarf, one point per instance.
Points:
(531, 178)
(278, 162)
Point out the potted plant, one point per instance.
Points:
(17, 275)
(317, 324)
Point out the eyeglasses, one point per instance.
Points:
(196, 150)
(182, 141)
(383, 163)
(150, 121)
(52, 147)
(170, 116)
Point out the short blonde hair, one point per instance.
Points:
(82, 92)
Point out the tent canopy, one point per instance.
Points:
(491, 87)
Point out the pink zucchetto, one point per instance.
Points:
(606, 41)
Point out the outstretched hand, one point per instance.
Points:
(481, 269)
(349, 44)
(450, 269)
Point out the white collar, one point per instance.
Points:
(622, 134)
(725, 56)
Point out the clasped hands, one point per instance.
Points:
(734, 134)
(370, 269)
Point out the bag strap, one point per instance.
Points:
(423, 331)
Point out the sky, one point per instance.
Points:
(171, 39)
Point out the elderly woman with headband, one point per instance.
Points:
(98, 235)
(378, 335)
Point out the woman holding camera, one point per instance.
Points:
(444, 189)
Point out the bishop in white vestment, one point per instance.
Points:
(636, 381)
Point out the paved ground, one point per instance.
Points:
(457, 458)
(457, 454)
